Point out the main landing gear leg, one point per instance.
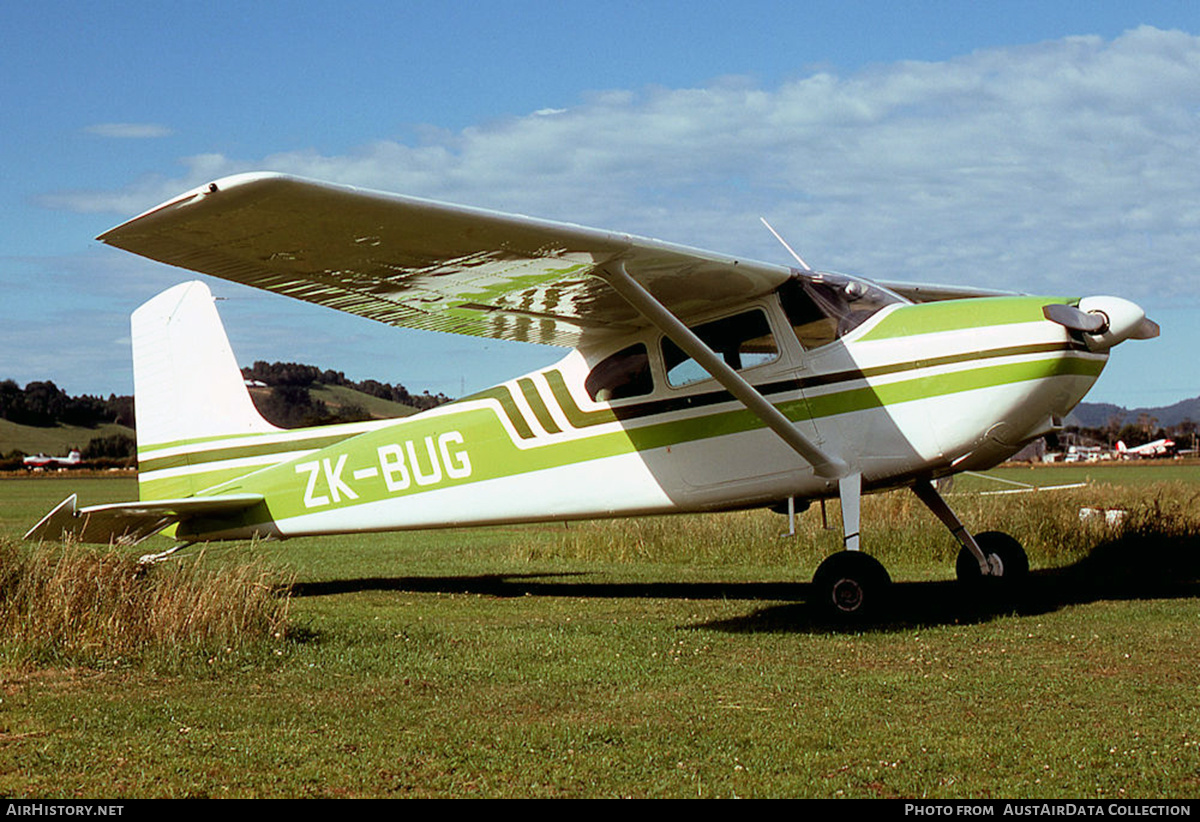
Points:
(850, 491)
(934, 502)
(991, 555)
(850, 587)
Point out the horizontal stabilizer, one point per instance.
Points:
(128, 523)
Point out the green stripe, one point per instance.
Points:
(861, 399)
(934, 362)
(956, 315)
(310, 442)
(159, 446)
(189, 485)
(494, 455)
(649, 408)
(858, 399)
(502, 395)
(539, 408)
(574, 414)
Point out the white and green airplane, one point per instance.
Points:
(695, 381)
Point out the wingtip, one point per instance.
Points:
(197, 194)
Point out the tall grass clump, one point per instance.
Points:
(734, 538)
(1157, 542)
(896, 527)
(66, 604)
(1050, 526)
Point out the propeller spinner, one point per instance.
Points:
(1104, 321)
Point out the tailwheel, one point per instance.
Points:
(850, 587)
(1010, 565)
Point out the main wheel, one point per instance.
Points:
(850, 587)
(1004, 554)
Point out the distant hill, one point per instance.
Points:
(41, 418)
(293, 395)
(335, 404)
(54, 439)
(1097, 414)
(319, 404)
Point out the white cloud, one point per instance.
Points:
(1068, 166)
(129, 131)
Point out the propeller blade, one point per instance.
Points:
(1074, 319)
(1148, 330)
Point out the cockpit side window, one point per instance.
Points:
(829, 306)
(620, 375)
(743, 341)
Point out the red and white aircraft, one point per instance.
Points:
(71, 460)
(1158, 448)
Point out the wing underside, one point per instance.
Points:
(420, 264)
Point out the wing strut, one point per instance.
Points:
(825, 465)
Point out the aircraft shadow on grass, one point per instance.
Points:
(1136, 565)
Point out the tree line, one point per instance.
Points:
(1139, 432)
(296, 374)
(288, 403)
(45, 405)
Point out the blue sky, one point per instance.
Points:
(1042, 147)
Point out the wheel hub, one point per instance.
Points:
(847, 595)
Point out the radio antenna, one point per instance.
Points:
(791, 250)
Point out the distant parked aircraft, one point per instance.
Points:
(71, 460)
(1158, 448)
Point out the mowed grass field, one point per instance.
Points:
(668, 657)
(57, 440)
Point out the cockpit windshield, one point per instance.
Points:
(824, 307)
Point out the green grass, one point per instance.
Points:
(26, 498)
(533, 661)
(337, 396)
(1131, 473)
(69, 604)
(56, 440)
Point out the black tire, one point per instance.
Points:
(1013, 562)
(850, 587)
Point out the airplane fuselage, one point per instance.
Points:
(913, 391)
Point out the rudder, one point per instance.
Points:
(187, 385)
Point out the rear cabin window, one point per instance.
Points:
(743, 341)
(620, 375)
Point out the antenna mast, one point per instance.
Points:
(791, 250)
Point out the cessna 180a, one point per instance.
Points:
(695, 381)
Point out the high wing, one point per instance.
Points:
(928, 293)
(421, 264)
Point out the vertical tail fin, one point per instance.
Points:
(187, 387)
